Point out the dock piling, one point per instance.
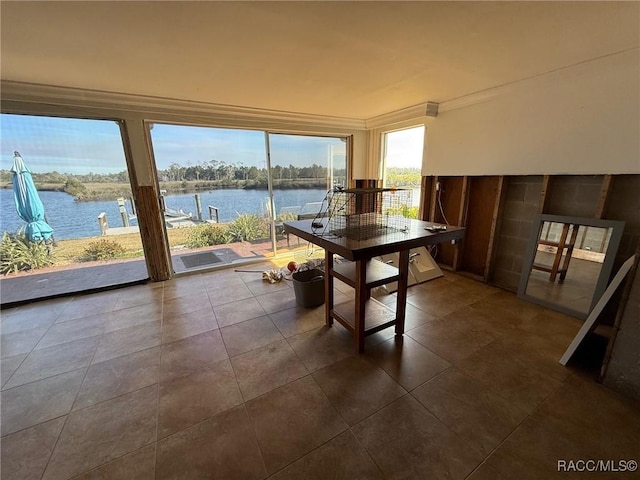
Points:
(123, 212)
(198, 206)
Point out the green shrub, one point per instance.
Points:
(248, 227)
(102, 250)
(208, 234)
(405, 211)
(17, 254)
(287, 217)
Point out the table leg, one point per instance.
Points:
(328, 287)
(361, 300)
(401, 305)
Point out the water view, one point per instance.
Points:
(72, 219)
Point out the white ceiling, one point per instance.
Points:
(346, 59)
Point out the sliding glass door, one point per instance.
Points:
(303, 169)
(214, 184)
(226, 192)
(82, 192)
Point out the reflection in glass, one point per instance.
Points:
(569, 262)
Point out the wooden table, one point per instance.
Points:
(363, 272)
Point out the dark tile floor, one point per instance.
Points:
(79, 278)
(50, 283)
(220, 375)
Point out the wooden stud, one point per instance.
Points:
(495, 227)
(601, 210)
(425, 196)
(544, 194)
(434, 199)
(462, 213)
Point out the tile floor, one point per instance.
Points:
(47, 283)
(220, 375)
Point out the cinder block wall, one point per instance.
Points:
(624, 204)
(574, 195)
(579, 196)
(522, 204)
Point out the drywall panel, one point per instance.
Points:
(583, 119)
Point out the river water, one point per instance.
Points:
(71, 219)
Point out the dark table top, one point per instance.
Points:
(414, 236)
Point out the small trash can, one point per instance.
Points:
(308, 286)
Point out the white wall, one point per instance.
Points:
(359, 162)
(583, 119)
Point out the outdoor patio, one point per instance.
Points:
(95, 276)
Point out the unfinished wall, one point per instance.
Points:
(522, 203)
(572, 195)
(624, 204)
(623, 373)
(576, 196)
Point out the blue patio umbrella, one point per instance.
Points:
(28, 203)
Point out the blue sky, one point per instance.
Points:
(404, 148)
(64, 145)
(82, 146)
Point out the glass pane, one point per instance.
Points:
(304, 169)
(215, 186)
(402, 152)
(567, 264)
(80, 174)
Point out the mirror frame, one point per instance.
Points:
(605, 272)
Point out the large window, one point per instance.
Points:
(223, 204)
(213, 183)
(304, 168)
(402, 160)
(80, 173)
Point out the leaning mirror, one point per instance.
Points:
(568, 262)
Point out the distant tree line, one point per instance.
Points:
(217, 173)
(61, 178)
(214, 170)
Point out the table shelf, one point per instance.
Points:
(377, 316)
(378, 273)
(372, 315)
